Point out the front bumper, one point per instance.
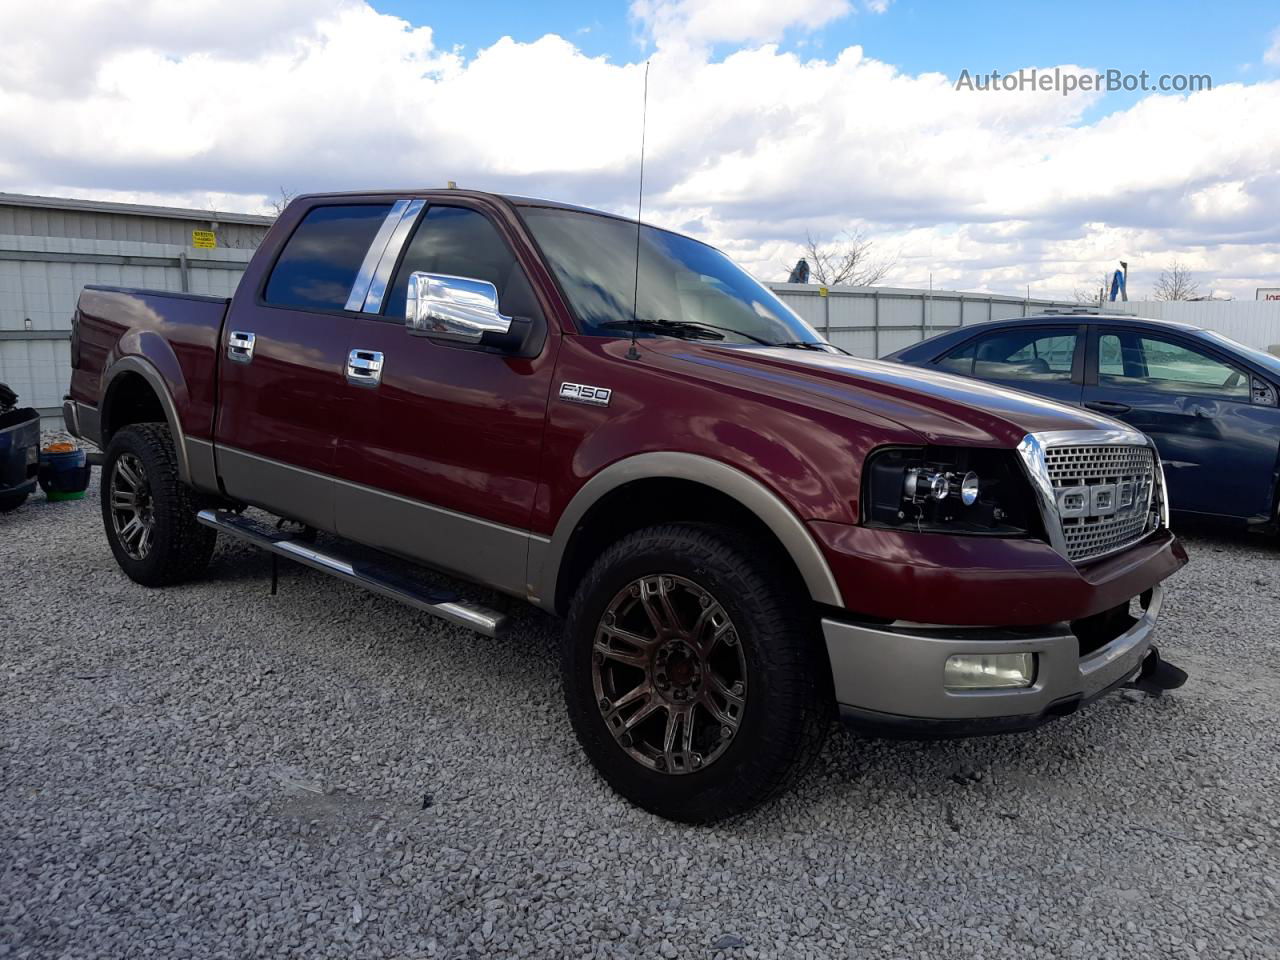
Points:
(889, 679)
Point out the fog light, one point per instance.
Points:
(976, 671)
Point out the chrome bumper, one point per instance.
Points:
(81, 421)
(898, 671)
(71, 417)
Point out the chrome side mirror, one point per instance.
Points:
(452, 308)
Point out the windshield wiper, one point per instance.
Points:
(675, 328)
(669, 327)
(801, 345)
(820, 345)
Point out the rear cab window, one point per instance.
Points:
(319, 262)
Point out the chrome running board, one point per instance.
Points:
(376, 577)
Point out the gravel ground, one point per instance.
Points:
(210, 771)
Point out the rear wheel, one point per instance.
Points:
(693, 675)
(148, 513)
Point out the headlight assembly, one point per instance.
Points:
(949, 490)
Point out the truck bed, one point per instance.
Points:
(177, 333)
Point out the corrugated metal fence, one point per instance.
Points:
(874, 321)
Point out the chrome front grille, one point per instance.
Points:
(1103, 495)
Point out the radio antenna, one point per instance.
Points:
(633, 353)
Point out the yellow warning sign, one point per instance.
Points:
(205, 239)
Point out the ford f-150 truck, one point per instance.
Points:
(746, 530)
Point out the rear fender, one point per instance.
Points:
(170, 397)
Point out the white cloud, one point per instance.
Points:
(62, 51)
(1272, 56)
(987, 190)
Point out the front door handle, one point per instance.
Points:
(364, 368)
(240, 346)
(1108, 406)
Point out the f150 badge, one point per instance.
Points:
(582, 393)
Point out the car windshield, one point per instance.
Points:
(682, 281)
(1265, 360)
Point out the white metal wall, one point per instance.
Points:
(41, 278)
(874, 321)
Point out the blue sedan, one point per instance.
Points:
(1209, 403)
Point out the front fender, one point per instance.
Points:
(546, 557)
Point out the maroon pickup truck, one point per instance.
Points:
(746, 530)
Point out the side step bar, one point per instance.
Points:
(373, 576)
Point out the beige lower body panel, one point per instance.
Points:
(456, 543)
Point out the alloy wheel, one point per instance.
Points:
(669, 673)
(132, 506)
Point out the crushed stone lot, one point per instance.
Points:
(209, 771)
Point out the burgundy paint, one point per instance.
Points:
(934, 578)
(456, 427)
(176, 335)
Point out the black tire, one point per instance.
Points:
(12, 501)
(178, 547)
(789, 702)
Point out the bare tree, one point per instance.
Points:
(285, 198)
(847, 259)
(1096, 294)
(1175, 283)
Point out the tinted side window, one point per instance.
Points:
(319, 262)
(1151, 363)
(959, 360)
(1110, 356)
(463, 243)
(1026, 354)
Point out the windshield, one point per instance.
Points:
(682, 281)
(1265, 360)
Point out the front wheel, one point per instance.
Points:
(693, 676)
(148, 513)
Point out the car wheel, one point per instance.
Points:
(693, 673)
(12, 501)
(149, 514)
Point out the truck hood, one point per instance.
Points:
(938, 407)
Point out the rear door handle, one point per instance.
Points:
(364, 368)
(240, 346)
(1107, 406)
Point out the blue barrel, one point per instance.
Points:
(64, 471)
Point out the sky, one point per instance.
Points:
(766, 121)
